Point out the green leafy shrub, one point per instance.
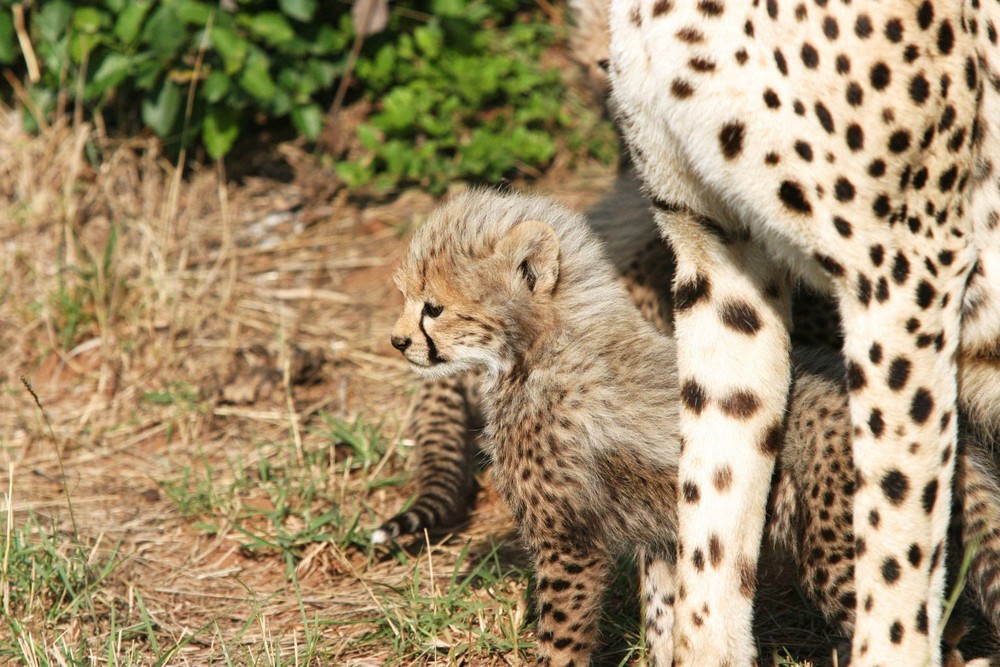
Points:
(462, 95)
(277, 58)
(456, 87)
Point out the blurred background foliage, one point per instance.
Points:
(449, 89)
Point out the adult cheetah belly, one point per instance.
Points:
(802, 123)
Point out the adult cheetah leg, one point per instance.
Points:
(443, 460)
(901, 378)
(731, 316)
(659, 595)
(571, 585)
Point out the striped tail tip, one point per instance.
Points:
(381, 536)
(400, 524)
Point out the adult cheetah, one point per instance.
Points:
(851, 145)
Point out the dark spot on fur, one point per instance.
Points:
(864, 289)
(693, 396)
(804, 150)
(854, 94)
(779, 59)
(947, 179)
(723, 478)
(880, 76)
(895, 486)
(920, 89)
(875, 353)
(925, 294)
(810, 57)
(899, 373)
(900, 268)
(929, 496)
(922, 619)
(711, 8)
(715, 550)
(894, 31)
(681, 89)
(771, 444)
(946, 37)
(899, 141)
(829, 264)
(731, 139)
(824, 116)
(921, 406)
(742, 404)
(890, 570)
(740, 316)
(748, 577)
(855, 376)
(925, 15)
(690, 36)
(876, 423)
(691, 492)
(690, 292)
(662, 7)
(863, 26)
(792, 195)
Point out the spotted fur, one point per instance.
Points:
(811, 512)
(444, 462)
(518, 286)
(445, 414)
(850, 145)
(578, 498)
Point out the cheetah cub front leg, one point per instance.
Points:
(572, 581)
(659, 588)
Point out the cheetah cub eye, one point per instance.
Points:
(432, 311)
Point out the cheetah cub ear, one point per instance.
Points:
(532, 248)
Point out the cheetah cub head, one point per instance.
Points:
(478, 282)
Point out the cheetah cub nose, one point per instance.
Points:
(400, 343)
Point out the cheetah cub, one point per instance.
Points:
(577, 395)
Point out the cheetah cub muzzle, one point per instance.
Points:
(578, 397)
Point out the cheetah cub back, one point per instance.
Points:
(577, 397)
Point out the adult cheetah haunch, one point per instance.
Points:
(849, 144)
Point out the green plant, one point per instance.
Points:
(474, 610)
(45, 572)
(88, 294)
(176, 393)
(284, 498)
(462, 96)
(455, 86)
(192, 68)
